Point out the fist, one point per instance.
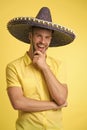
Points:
(39, 59)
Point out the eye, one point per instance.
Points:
(48, 37)
(38, 35)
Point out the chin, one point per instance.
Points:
(43, 51)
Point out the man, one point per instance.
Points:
(32, 80)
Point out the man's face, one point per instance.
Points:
(41, 39)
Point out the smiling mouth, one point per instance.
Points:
(40, 47)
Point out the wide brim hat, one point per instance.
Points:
(20, 27)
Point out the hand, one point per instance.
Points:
(65, 104)
(39, 59)
(61, 106)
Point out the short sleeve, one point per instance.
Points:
(11, 76)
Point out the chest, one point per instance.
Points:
(33, 83)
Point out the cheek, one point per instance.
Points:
(35, 40)
(48, 43)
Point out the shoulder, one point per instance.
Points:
(14, 63)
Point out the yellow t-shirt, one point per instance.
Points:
(21, 73)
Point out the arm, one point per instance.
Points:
(58, 91)
(19, 102)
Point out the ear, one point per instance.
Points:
(30, 36)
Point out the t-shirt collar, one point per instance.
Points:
(28, 61)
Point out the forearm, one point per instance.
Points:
(58, 91)
(20, 102)
(31, 105)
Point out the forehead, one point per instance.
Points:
(39, 30)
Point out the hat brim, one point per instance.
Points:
(20, 28)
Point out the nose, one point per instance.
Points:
(43, 40)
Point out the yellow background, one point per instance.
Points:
(70, 13)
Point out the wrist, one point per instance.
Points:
(45, 68)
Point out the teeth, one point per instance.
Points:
(41, 45)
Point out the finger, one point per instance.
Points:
(37, 53)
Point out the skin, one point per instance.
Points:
(40, 41)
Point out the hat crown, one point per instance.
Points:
(44, 14)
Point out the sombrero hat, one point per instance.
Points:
(20, 27)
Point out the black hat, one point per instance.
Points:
(20, 27)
